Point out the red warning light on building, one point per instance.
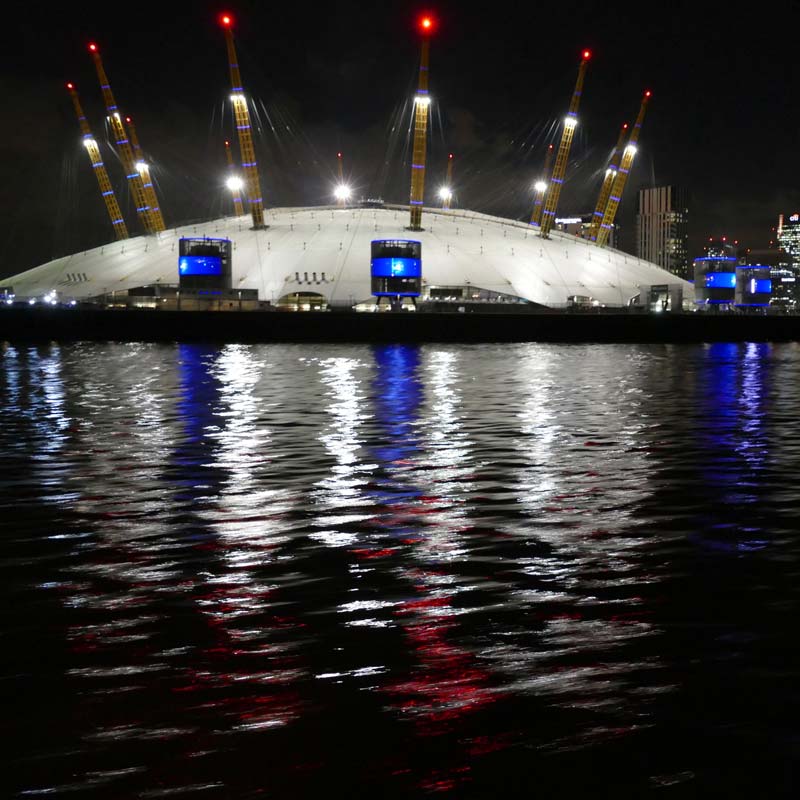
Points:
(226, 20)
(587, 54)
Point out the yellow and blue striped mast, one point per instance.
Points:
(422, 103)
(621, 177)
(608, 182)
(244, 129)
(144, 170)
(93, 151)
(123, 143)
(562, 157)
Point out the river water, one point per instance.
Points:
(282, 571)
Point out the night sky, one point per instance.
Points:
(723, 120)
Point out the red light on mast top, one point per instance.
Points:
(70, 86)
(226, 20)
(450, 156)
(587, 54)
(427, 24)
(93, 47)
(647, 93)
(338, 155)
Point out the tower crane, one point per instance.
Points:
(540, 188)
(446, 192)
(90, 143)
(560, 168)
(124, 148)
(608, 182)
(422, 103)
(621, 177)
(144, 170)
(234, 182)
(243, 128)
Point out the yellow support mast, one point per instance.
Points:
(447, 189)
(242, 116)
(540, 187)
(422, 103)
(124, 148)
(234, 182)
(90, 143)
(608, 182)
(560, 169)
(621, 177)
(144, 170)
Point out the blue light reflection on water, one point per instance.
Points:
(734, 402)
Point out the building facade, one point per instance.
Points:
(662, 229)
(786, 273)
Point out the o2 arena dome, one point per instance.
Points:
(320, 256)
(350, 256)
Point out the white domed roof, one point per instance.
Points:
(326, 250)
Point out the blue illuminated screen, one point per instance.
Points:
(760, 286)
(200, 265)
(721, 280)
(396, 268)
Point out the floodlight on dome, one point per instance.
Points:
(342, 192)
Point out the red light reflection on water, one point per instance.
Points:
(447, 681)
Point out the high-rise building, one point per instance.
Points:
(662, 224)
(786, 273)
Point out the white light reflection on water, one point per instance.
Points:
(244, 611)
(340, 495)
(581, 474)
(247, 516)
(444, 465)
(48, 414)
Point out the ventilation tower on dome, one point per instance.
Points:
(446, 192)
(234, 182)
(540, 187)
